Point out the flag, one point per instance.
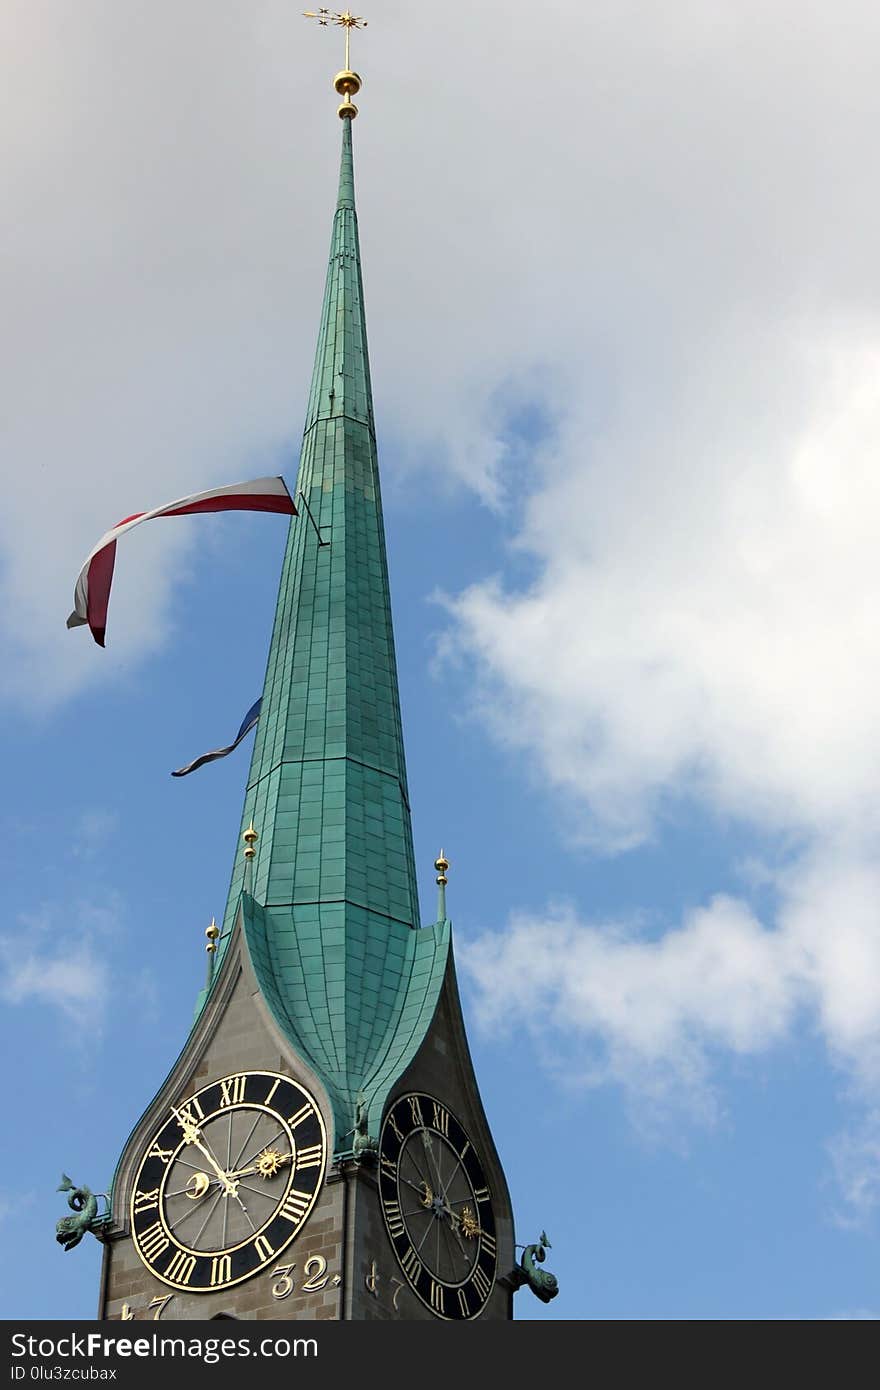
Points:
(247, 724)
(92, 593)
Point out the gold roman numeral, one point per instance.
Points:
(385, 1162)
(189, 1116)
(463, 1304)
(394, 1219)
(164, 1154)
(263, 1249)
(482, 1194)
(488, 1243)
(153, 1242)
(273, 1088)
(181, 1267)
(295, 1205)
(441, 1120)
(302, 1114)
(232, 1090)
(481, 1284)
(411, 1265)
(437, 1292)
(145, 1201)
(416, 1111)
(221, 1270)
(309, 1158)
(395, 1126)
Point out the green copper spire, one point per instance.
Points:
(331, 911)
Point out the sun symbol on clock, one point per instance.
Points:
(268, 1162)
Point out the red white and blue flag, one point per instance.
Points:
(91, 596)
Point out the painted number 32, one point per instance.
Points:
(315, 1271)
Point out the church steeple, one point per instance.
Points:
(324, 1109)
(332, 916)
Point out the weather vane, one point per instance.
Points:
(347, 21)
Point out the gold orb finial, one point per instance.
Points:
(250, 838)
(212, 932)
(441, 864)
(346, 82)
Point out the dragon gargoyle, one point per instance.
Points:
(363, 1145)
(542, 1283)
(70, 1230)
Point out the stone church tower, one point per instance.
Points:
(319, 1149)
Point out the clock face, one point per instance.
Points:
(437, 1207)
(228, 1181)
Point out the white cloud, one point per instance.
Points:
(60, 966)
(609, 1002)
(720, 978)
(702, 628)
(75, 983)
(703, 621)
(635, 239)
(613, 1005)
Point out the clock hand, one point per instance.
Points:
(223, 1178)
(192, 1134)
(418, 1187)
(445, 1208)
(280, 1160)
(452, 1228)
(426, 1145)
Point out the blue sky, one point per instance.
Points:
(625, 339)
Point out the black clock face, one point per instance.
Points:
(437, 1207)
(228, 1181)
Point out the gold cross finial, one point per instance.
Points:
(347, 83)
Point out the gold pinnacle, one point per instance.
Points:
(347, 83)
(212, 933)
(250, 838)
(441, 864)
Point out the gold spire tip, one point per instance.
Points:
(441, 864)
(212, 932)
(346, 82)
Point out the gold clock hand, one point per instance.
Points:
(279, 1161)
(193, 1135)
(223, 1178)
